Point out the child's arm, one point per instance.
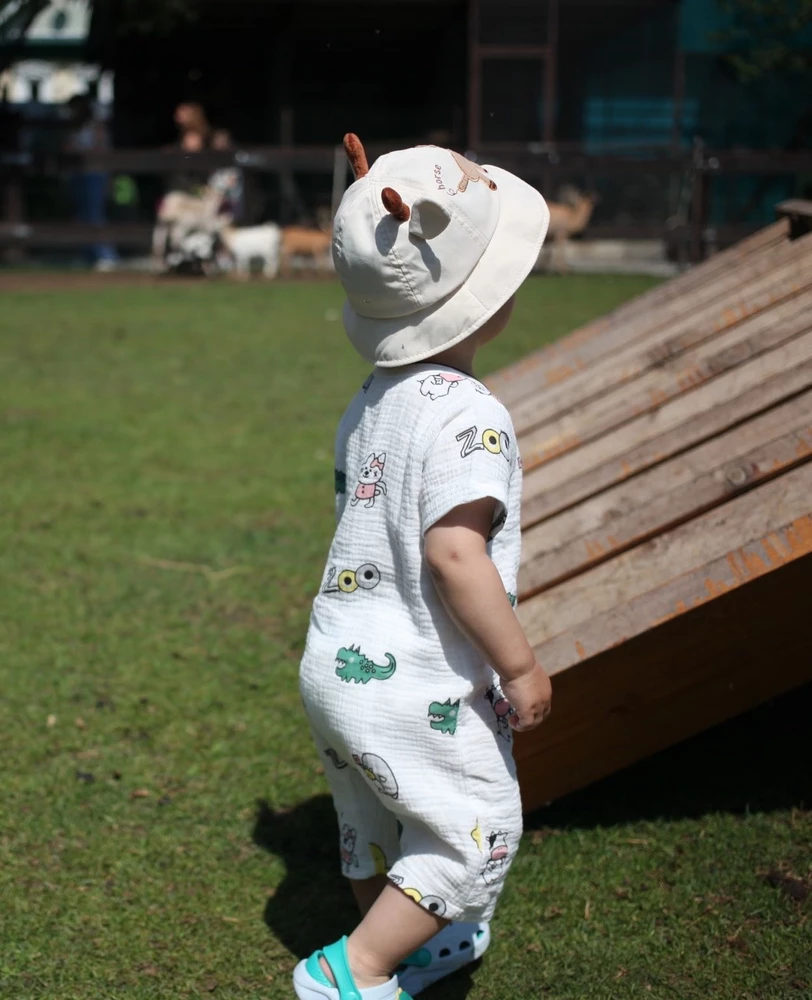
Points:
(474, 595)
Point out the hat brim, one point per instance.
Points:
(507, 260)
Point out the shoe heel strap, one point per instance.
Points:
(336, 957)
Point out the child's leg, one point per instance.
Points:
(367, 890)
(394, 927)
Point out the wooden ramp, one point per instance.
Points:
(666, 579)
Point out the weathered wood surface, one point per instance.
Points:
(691, 672)
(660, 384)
(662, 578)
(666, 496)
(679, 424)
(558, 362)
(755, 306)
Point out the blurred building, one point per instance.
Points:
(52, 66)
(608, 75)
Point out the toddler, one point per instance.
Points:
(416, 670)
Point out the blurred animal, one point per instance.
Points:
(313, 244)
(567, 218)
(249, 242)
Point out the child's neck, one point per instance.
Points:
(460, 356)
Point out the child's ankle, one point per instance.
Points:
(363, 972)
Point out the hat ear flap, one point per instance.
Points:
(428, 219)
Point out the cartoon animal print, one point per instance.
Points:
(368, 382)
(370, 482)
(376, 770)
(352, 665)
(349, 836)
(347, 581)
(443, 715)
(496, 442)
(379, 859)
(340, 481)
(434, 904)
(440, 384)
(338, 764)
(502, 710)
(497, 862)
(470, 172)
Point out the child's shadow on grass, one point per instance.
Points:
(314, 904)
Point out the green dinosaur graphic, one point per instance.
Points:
(512, 599)
(352, 665)
(444, 715)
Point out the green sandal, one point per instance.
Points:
(310, 982)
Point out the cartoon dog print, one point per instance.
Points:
(349, 836)
(502, 710)
(376, 770)
(370, 480)
(497, 863)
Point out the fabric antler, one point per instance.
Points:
(393, 203)
(356, 155)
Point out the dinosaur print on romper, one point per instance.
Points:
(370, 480)
(352, 665)
(443, 715)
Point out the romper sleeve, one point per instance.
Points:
(469, 456)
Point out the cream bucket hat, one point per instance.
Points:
(428, 246)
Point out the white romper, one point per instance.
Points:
(408, 717)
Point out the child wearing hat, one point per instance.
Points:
(416, 670)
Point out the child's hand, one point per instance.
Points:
(530, 696)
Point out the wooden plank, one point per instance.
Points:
(678, 425)
(621, 326)
(670, 683)
(722, 549)
(652, 389)
(661, 346)
(669, 495)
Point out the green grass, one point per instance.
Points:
(165, 509)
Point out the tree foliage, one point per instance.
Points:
(766, 36)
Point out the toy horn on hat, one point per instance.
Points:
(392, 201)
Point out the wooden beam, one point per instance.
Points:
(521, 378)
(670, 683)
(692, 564)
(666, 496)
(681, 424)
(659, 382)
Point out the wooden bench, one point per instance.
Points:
(666, 578)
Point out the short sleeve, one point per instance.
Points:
(471, 456)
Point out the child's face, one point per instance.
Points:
(496, 324)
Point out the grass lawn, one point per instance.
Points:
(166, 505)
